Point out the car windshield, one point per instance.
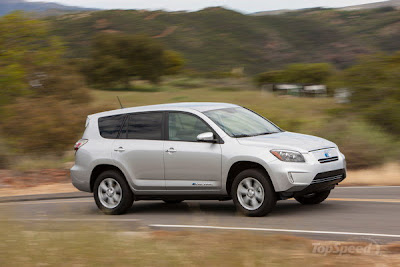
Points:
(241, 122)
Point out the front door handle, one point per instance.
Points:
(171, 150)
(120, 149)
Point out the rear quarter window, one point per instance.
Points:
(109, 126)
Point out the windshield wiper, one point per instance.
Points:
(251, 135)
(242, 135)
(265, 133)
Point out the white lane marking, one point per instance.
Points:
(365, 200)
(367, 187)
(271, 230)
(72, 220)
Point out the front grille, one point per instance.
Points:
(329, 176)
(326, 160)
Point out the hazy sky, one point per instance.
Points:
(241, 5)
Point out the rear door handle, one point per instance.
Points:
(171, 150)
(120, 149)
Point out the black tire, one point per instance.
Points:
(127, 195)
(172, 201)
(314, 198)
(269, 201)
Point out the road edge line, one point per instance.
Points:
(270, 230)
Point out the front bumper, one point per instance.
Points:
(324, 181)
(295, 177)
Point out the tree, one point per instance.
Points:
(41, 95)
(374, 82)
(173, 62)
(312, 73)
(31, 63)
(26, 50)
(270, 77)
(116, 58)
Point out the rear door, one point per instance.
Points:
(140, 150)
(189, 164)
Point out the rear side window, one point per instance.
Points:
(109, 126)
(146, 126)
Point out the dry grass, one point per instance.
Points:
(388, 174)
(41, 189)
(90, 247)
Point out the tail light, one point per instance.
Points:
(80, 143)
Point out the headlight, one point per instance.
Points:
(288, 156)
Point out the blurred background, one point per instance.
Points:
(331, 71)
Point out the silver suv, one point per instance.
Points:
(176, 152)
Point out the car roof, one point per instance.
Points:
(183, 106)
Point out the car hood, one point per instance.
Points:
(287, 140)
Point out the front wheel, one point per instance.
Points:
(313, 198)
(253, 193)
(112, 193)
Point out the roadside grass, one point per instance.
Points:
(185, 82)
(34, 162)
(387, 174)
(225, 89)
(28, 163)
(106, 246)
(51, 188)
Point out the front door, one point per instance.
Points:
(189, 164)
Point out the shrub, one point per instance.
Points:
(4, 157)
(363, 144)
(187, 83)
(45, 124)
(374, 83)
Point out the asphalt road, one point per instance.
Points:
(351, 213)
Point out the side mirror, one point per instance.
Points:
(206, 137)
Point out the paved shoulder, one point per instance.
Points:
(367, 192)
(45, 197)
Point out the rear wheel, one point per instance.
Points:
(112, 193)
(313, 198)
(253, 193)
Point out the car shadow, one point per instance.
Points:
(226, 208)
(145, 207)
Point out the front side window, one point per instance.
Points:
(241, 122)
(185, 127)
(146, 126)
(109, 126)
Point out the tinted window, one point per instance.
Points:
(185, 127)
(109, 126)
(146, 126)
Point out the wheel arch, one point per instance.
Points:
(240, 166)
(100, 169)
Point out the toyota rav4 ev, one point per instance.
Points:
(197, 151)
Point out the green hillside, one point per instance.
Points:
(220, 39)
(7, 6)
